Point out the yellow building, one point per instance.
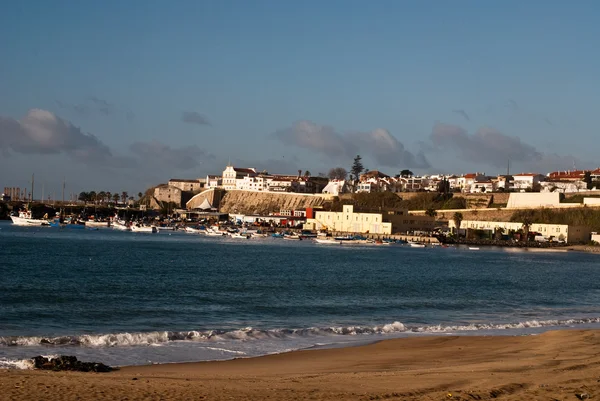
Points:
(388, 222)
(562, 232)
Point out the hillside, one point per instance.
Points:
(263, 203)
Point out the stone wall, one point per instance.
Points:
(214, 196)
(263, 203)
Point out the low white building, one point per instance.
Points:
(526, 181)
(336, 187)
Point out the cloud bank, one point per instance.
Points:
(488, 146)
(43, 132)
(378, 144)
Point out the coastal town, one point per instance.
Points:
(474, 207)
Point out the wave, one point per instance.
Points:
(157, 338)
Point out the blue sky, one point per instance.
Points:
(123, 95)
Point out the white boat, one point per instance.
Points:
(136, 228)
(292, 237)
(327, 241)
(473, 248)
(25, 219)
(240, 235)
(416, 245)
(192, 230)
(214, 233)
(166, 228)
(97, 224)
(120, 225)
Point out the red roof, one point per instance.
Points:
(564, 175)
(526, 175)
(245, 170)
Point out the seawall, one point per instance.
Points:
(263, 203)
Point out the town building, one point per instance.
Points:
(214, 181)
(188, 185)
(555, 232)
(385, 222)
(232, 174)
(527, 181)
(336, 187)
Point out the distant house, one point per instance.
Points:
(188, 185)
(232, 174)
(568, 175)
(526, 181)
(214, 181)
(336, 187)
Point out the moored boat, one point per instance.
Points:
(97, 224)
(26, 219)
(137, 228)
(327, 241)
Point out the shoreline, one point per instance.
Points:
(553, 365)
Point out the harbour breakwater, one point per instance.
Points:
(263, 203)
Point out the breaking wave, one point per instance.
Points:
(163, 337)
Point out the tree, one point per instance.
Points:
(357, 168)
(443, 186)
(124, 196)
(431, 212)
(587, 178)
(457, 218)
(108, 196)
(307, 173)
(116, 198)
(101, 196)
(527, 222)
(84, 196)
(93, 196)
(406, 173)
(337, 173)
(140, 195)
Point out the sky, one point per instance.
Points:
(121, 96)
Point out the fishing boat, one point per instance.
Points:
(327, 241)
(416, 245)
(240, 235)
(97, 224)
(138, 228)
(473, 248)
(214, 232)
(120, 225)
(192, 230)
(25, 219)
(292, 237)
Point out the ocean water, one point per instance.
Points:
(125, 298)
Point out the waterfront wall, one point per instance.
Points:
(263, 203)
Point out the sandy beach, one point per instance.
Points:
(557, 365)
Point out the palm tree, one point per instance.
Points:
(116, 198)
(526, 226)
(108, 196)
(84, 197)
(457, 218)
(124, 196)
(93, 196)
(101, 196)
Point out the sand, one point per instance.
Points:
(557, 365)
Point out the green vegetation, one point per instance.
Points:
(577, 198)
(582, 216)
(387, 200)
(357, 168)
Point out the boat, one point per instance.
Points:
(473, 248)
(120, 225)
(416, 245)
(137, 228)
(292, 237)
(25, 219)
(166, 228)
(277, 235)
(240, 235)
(327, 241)
(69, 224)
(192, 230)
(212, 232)
(97, 224)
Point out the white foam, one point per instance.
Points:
(16, 363)
(158, 338)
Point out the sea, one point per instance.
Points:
(125, 298)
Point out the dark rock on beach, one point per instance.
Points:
(71, 363)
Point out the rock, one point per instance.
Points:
(71, 363)
(583, 396)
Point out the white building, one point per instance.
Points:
(526, 181)
(232, 174)
(335, 187)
